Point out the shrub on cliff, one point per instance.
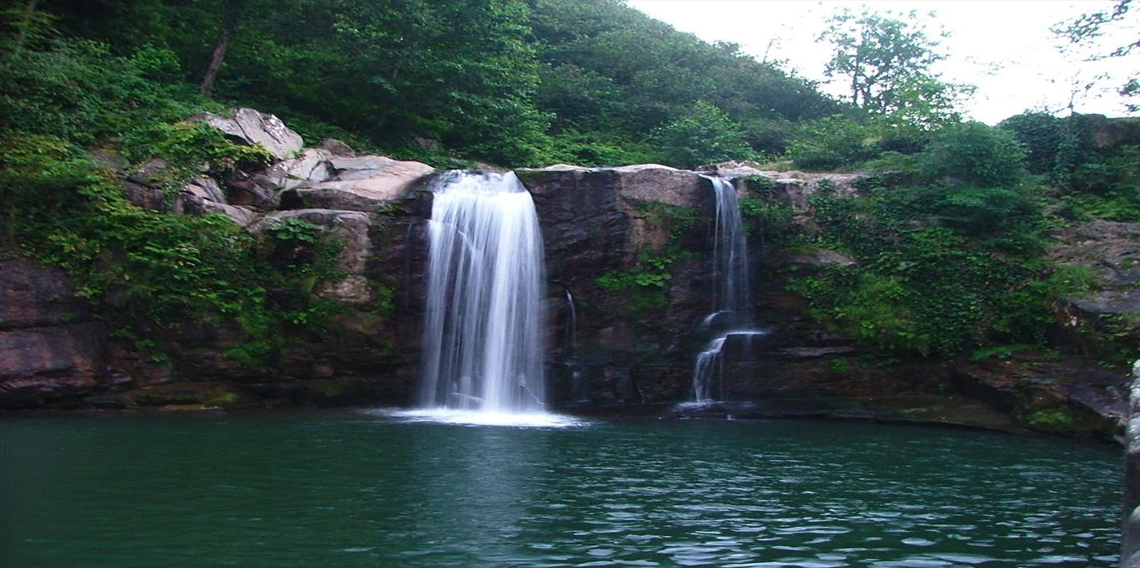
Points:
(703, 135)
(976, 154)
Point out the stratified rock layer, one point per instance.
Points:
(629, 252)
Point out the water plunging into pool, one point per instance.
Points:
(483, 349)
(731, 309)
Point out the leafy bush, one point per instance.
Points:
(834, 142)
(941, 269)
(77, 91)
(141, 269)
(705, 135)
(1042, 135)
(975, 154)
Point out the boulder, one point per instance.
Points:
(311, 166)
(206, 189)
(248, 126)
(352, 229)
(365, 183)
(338, 148)
(202, 196)
(194, 205)
(144, 186)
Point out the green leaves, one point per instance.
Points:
(941, 268)
(704, 135)
(887, 59)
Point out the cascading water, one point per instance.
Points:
(710, 366)
(483, 323)
(731, 304)
(731, 251)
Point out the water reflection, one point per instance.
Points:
(363, 491)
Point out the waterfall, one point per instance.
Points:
(731, 305)
(731, 251)
(571, 323)
(709, 367)
(483, 322)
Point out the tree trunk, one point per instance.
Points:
(216, 59)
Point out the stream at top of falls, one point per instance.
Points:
(362, 489)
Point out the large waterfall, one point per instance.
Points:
(483, 348)
(731, 307)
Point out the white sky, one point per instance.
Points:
(1003, 47)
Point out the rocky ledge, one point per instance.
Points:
(613, 346)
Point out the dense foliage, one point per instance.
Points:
(949, 240)
(145, 271)
(511, 82)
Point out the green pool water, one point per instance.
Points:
(356, 489)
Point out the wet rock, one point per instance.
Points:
(48, 347)
(1071, 397)
(248, 126)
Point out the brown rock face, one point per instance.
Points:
(599, 222)
(48, 347)
(351, 228)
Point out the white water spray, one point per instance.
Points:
(731, 304)
(483, 323)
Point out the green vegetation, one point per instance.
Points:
(145, 271)
(506, 81)
(647, 287)
(949, 235)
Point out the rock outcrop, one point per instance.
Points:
(367, 183)
(249, 126)
(630, 257)
(49, 345)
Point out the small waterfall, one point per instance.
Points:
(571, 323)
(731, 251)
(731, 306)
(708, 371)
(483, 322)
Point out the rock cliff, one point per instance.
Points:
(630, 264)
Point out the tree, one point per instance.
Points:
(1087, 29)
(888, 63)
